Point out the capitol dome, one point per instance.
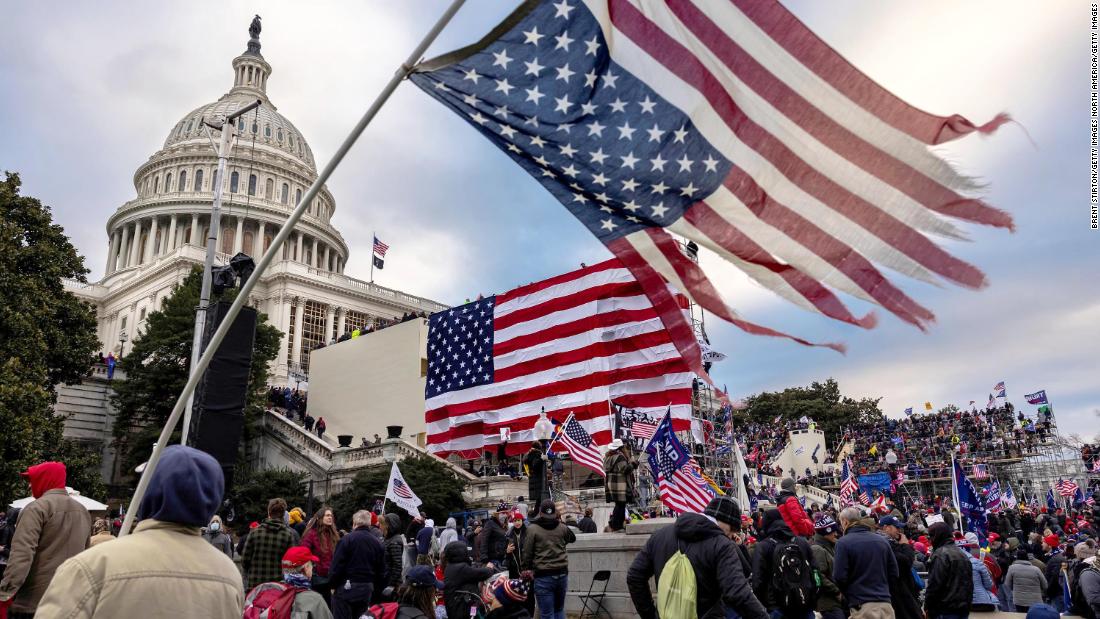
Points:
(270, 168)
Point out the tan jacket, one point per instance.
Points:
(50, 529)
(162, 570)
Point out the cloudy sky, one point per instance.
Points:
(90, 91)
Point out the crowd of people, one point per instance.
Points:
(376, 325)
(294, 403)
(180, 556)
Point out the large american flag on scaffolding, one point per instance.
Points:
(731, 124)
(567, 344)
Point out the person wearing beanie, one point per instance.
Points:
(792, 511)
(417, 594)
(507, 598)
(726, 513)
(164, 561)
(950, 577)
(544, 554)
(1085, 581)
(720, 580)
(1025, 582)
(513, 559)
(829, 599)
(765, 573)
(52, 528)
(297, 563)
(984, 598)
(1055, 558)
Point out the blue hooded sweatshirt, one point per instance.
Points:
(186, 488)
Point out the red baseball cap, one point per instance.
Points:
(253, 525)
(297, 556)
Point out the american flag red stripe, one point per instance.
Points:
(401, 490)
(882, 194)
(641, 429)
(566, 344)
(682, 493)
(805, 47)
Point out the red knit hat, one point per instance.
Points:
(1051, 540)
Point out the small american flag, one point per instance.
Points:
(1067, 487)
(401, 490)
(849, 486)
(380, 248)
(731, 124)
(978, 471)
(643, 429)
(1089, 500)
(999, 389)
(865, 498)
(580, 446)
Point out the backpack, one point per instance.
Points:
(792, 585)
(1078, 604)
(676, 591)
(271, 600)
(386, 610)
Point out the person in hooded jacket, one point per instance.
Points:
(544, 554)
(215, 534)
(164, 568)
(461, 580)
(830, 602)
(719, 575)
(493, 541)
(776, 532)
(424, 539)
(513, 558)
(449, 533)
(792, 511)
(950, 577)
(394, 546)
(52, 528)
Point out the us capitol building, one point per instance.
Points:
(158, 237)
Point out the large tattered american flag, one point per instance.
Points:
(730, 123)
(566, 344)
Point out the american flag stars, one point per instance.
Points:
(610, 149)
(460, 347)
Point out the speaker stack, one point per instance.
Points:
(217, 419)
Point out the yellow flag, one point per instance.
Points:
(927, 406)
(874, 450)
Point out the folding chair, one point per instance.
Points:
(593, 602)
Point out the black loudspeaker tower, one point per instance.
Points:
(217, 419)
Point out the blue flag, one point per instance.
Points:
(971, 504)
(1051, 505)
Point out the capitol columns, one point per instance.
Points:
(326, 263)
(298, 257)
(120, 259)
(258, 246)
(299, 312)
(112, 253)
(135, 243)
(341, 321)
(329, 315)
(195, 232)
(171, 244)
(151, 244)
(314, 259)
(238, 239)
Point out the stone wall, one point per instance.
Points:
(607, 551)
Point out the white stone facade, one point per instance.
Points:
(156, 239)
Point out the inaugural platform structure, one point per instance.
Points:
(155, 239)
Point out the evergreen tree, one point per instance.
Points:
(47, 337)
(821, 402)
(433, 482)
(157, 367)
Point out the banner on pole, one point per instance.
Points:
(400, 493)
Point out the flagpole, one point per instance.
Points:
(373, 238)
(955, 492)
(563, 424)
(276, 244)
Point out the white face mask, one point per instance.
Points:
(215, 527)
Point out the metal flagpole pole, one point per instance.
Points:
(955, 492)
(372, 240)
(269, 255)
(224, 148)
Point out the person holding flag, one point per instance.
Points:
(619, 482)
(400, 493)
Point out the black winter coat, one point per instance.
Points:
(719, 575)
(776, 530)
(1053, 572)
(904, 595)
(492, 543)
(461, 580)
(950, 582)
(394, 547)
